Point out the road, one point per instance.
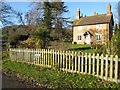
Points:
(14, 82)
(9, 81)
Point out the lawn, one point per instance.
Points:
(80, 47)
(54, 78)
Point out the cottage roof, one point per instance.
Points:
(97, 19)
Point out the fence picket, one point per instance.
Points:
(71, 61)
(106, 67)
(86, 62)
(97, 65)
(66, 60)
(116, 68)
(93, 64)
(102, 61)
(63, 60)
(79, 62)
(89, 63)
(75, 62)
(82, 62)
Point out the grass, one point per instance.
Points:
(54, 78)
(80, 47)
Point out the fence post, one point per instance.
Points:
(53, 58)
(79, 62)
(102, 62)
(93, 64)
(90, 63)
(58, 59)
(82, 62)
(116, 68)
(86, 62)
(63, 61)
(48, 57)
(111, 66)
(69, 60)
(97, 65)
(66, 60)
(72, 61)
(56, 64)
(75, 61)
(106, 67)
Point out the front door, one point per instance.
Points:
(88, 39)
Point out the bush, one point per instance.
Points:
(99, 48)
(42, 37)
(59, 45)
(29, 43)
(4, 55)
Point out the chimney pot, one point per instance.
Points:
(78, 14)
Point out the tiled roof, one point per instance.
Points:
(97, 19)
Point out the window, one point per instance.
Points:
(88, 27)
(79, 37)
(98, 26)
(97, 37)
(79, 27)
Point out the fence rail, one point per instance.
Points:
(106, 67)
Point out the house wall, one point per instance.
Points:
(102, 29)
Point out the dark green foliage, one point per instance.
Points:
(56, 79)
(100, 49)
(4, 55)
(42, 36)
(47, 16)
(14, 34)
(114, 45)
(58, 8)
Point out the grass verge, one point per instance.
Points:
(55, 79)
(80, 47)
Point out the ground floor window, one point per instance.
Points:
(79, 37)
(98, 37)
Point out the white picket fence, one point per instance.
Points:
(106, 67)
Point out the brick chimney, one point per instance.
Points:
(109, 9)
(78, 14)
(95, 13)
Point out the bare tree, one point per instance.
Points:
(6, 14)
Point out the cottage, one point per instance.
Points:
(93, 29)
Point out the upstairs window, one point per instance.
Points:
(79, 37)
(88, 27)
(98, 26)
(79, 27)
(98, 37)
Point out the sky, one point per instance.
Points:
(86, 8)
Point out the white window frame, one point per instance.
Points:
(78, 37)
(79, 27)
(98, 37)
